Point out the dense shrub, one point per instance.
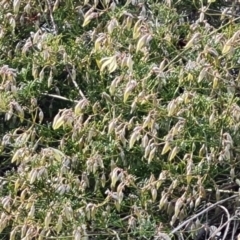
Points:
(119, 119)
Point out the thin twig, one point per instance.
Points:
(59, 97)
(55, 29)
(116, 234)
(235, 228)
(227, 223)
(75, 83)
(201, 213)
(221, 191)
(223, 225)
(180, 237)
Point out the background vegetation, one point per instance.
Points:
(119, 119)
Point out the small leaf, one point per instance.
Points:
(178, 206)
(147, 150)
(173, 153)
(141, 42)
(192, 41)
(114, 178)
(47, 220)
(57, 154)
(133, 138)
(154, 194)
(98, 62)
(126, 95)
(16, 155)
(33, 176)
(202, 75)
(98, 41)
(56, 118)
(40, 116)
(110, 63)
(163, 201)
(130, 86)
(147, 122)
(129, 62)
(166, 147)
(112, 25)
(111, 126)
(59, 224)
(113, 65)
(50, 79)
(13, 233)
(227, 48)
(107, 97)
(117, 205)
(58, 122)
(88, 18)
(151, 155)
(189, 178)
(145, 141)
(113, 86)
(16, 6)
(136, 29)
(78, 108)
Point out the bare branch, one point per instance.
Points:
(59, 97)
(234, 230)
(201, 213)
(223, 225)
(75, 83)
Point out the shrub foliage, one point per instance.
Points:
(119, 119)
